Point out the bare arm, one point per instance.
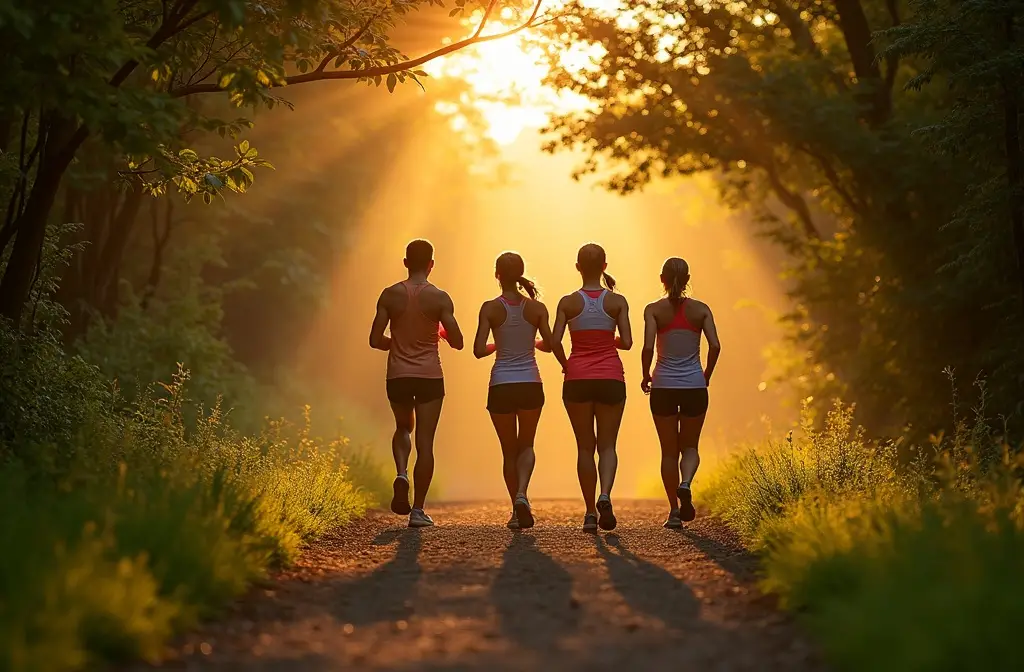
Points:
(714, 345)
(624, 341)
(547, 342)
(481, 348)
(647, 354)
(561, 322)
(378, 340)
(452, 332)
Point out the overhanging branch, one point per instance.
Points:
(394, 68)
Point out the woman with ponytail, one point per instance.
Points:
(594, 392)
(679, 387)
(515, 396)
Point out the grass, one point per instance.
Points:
(128, 526)
(891, 565)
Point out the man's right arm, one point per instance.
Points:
(452, 332)
(378, 340)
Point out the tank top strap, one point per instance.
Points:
(593, 304)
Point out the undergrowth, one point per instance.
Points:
(125, 523)
(896, 558)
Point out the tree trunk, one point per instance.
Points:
(857, 35)
(108, 272)
(62, 144)
(1011, 136)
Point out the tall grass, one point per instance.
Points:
(120, 528)
(893, 564)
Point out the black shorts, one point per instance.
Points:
(512, 397)
(598, 391)
(669, 401)
(414, 390)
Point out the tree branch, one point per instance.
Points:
(378, 71)
(340, 49)
(834, 181)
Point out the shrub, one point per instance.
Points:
(894, 566)
(150, 523)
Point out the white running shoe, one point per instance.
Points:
(418, 518)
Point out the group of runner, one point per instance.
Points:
(594, 390)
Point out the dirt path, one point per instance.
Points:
(470, 594)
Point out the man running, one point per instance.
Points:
(415, 385)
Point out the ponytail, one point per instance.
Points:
(509, 270)
(591, 261)
(675, 275)
(675, 290)
(528, 286)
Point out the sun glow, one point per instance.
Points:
(505, 92)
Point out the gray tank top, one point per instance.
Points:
(515, 359)
(678, 365)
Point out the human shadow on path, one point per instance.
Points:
(646, 587)
(731, 557)
(388, 592)
(533, 595)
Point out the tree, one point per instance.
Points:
(120, 71)
(797, 110)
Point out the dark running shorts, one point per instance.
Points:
(689, 403)
(598, 391)
(512, 397)
(414, 390)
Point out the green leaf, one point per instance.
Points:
(392, 81)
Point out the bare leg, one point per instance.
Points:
(581, 416)
(505, 426)
(668, 436)
(527, 458)
(689, 438)
(608, 420)
(427, 416)
(401, 443)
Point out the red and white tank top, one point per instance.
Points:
(592, 332)
(515, 360)
(678, 365)
(414, 338)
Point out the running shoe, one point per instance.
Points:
(523, 513)
(420, 519)
(590, 522)
(686, 510)
(400, 500)
(673, 522)
(606, 515)
(513, 522)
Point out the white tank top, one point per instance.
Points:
(515, 359)
(678, 365)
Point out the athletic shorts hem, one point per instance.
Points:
(674, 401)
(594, 390)
(511, 397)
(414, 390)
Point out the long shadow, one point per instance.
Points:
(646, 587)
(387, 593)
(730, 556)
(533, 595)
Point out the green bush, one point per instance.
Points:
(892, 565)
(122, 527)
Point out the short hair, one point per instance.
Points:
(418, 255)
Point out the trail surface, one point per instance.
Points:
(472, 595)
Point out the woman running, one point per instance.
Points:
(515, 395)
(679, 388)
(594, 391)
